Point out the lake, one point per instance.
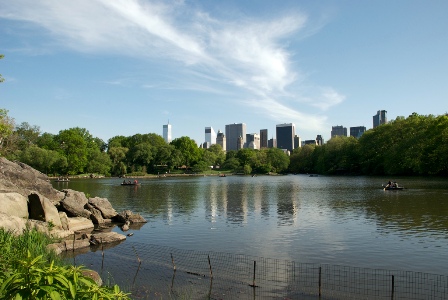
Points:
(347, 221)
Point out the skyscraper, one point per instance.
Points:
(167, 132)
(357, 131)
(285, 136)
(233, 133)
(338, 130)
(263, 138)
(210, 136)
(380, 118)
(221, 140)
(252, 141)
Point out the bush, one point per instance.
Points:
(29, 271)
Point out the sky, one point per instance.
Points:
(126, 67)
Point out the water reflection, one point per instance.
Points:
(310, 219)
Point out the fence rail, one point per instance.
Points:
(151, 272)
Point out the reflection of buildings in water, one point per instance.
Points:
(237, 208)
(287, 204)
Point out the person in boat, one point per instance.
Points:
(389, 184)
(135, 181)
(124, 181)
(129, 182)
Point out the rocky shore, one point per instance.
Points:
(28, 200)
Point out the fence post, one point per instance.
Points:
(320, 281)
(253, 280)
(393, 288)
(210, 266)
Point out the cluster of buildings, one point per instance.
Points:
(235, 136)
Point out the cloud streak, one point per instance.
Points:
(250, 56)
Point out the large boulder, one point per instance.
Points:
(21, 178)
(104, 206)
(13, 224)
(14, 204)
(40, 208)
(74, 204)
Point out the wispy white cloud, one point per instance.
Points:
(248, 55)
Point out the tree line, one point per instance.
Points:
(416, 145)
(75, 151)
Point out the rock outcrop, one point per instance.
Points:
(28, 200)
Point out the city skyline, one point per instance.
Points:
(124, 68)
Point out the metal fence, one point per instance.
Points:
(157, 272)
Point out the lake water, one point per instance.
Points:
(331, 220)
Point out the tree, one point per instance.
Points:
(277, 159)
(190, 153)
(74, 146)
(6, 127)
(99, 162)
(118, 156)
(27, 135)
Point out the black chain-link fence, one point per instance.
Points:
(157, 272)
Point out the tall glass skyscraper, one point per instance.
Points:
(285, 136)
(167, 132)
(380, 118)
(210, 136)
(233, 133)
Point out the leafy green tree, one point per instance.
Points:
(232, 164)
(6, 127)
(99, 162)
(189, 150)
(277, 160)
(27, 135)
(301, 161)
(220, 155)
(118, 156)
(74, 146)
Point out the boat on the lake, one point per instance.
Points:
(135, 182)
(392, 186)
(62, 179)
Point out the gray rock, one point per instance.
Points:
(40, 208)
(21, 178)
(74, 204)
(127, 215)
(14, 204)
(104, 206)
(79, 223)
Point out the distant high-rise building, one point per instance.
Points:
(309, 142)
(240, 143)
(285, 136)
(319, 140)
(272, 143)
(357, 131)
(210, 136)
(263, 138)
(167, 132)
(297, 141)
(338, 130)
(380, 118)
(221, 140)
(252, 141)
(233, 133)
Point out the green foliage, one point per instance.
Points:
(29, 271)
(35, 279)
(6, 128)
(416, 145)
(188, 150)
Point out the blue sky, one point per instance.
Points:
(124, 67)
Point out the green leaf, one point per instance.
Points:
(55, 295)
